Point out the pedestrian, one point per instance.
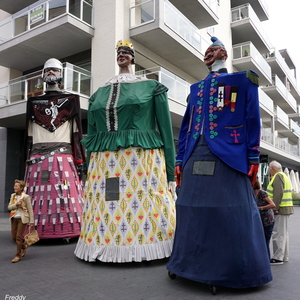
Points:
(129, 212)
(218, 225)
(280, 191)
(21, 214)
(55, 157)
(265, 205)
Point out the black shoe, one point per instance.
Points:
(276, 262)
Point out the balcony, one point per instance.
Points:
(266, 107)
(244, 20)
(294, 116)
(280, 65)
(259, 6)
(160, 27)
(43, 30)
(280, 95)
(202, 13)
(247, 57)
(281, 119)
(177, 93)
(267, 135)
(278, 148)
(13, 96)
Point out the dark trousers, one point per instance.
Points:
(268, 233)
(17, 232)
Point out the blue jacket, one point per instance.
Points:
(225, 108)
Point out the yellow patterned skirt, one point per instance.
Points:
(129, 213)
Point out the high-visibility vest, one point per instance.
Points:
(287, 190)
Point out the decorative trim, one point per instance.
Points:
(111, 108)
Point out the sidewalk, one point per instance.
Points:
(51, 271)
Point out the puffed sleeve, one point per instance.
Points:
(164, 122)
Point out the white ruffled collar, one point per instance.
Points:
(125, 78)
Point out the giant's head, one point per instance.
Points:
(125, 53)
(52, 71)
(215, 52)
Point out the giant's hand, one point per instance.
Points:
(178, 175)
(81, 170)
(253, 173)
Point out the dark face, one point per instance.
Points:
(214, 53)
(124, 57)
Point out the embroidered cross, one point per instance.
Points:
(146, 227)
(235, 135)
(102, 186)
(123, 227)
(122, 184)
(135, 205)
(112, 206)
(133, 162)
(153, 182)
(112, 164)
(145, 183)
(163, 223)
(102, 228)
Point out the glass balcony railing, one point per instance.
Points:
(292, 101)
(294, 150)
(267, 135)
(75, 80)
(42, 12)
(246, 12)
(294, 127)
(282, 144)
(281, 115)
(213, 4)
(183, 27)
(248, 50)
(144, 13)
(265, 101)
(178, 88)
(281, 62)
(279, 85)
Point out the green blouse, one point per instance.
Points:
(134, 114)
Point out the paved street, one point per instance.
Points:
(51, 271)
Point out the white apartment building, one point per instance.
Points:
(170, 38)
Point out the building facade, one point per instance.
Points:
(170, 38)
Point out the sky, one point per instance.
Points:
(283, 28)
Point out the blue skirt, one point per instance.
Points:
(219, 238)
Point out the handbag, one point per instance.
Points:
(31, 237)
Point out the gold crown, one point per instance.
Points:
(124, 43)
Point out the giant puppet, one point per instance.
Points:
(129, 211)
(55, 157)
(219, 237)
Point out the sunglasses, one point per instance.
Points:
(123, 53)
